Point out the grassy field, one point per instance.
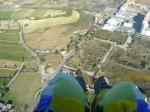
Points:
(9, 35)
(119, 38)
(10, 52)
(5, 76)
(37, 13)
(29, 25)
(10, 49)
(89, 56)
(5, 15)
(5, 36)
(4, 81)
(23, 14)
(7, 73)
(23, 90)
(84, 22)
(116, 73)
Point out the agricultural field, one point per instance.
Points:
(5, 15)
(89, 56)
(117, 37)
(7, 73)
(10, 49)
(137, 56)
(37, 13)
(4, 81)
(23, 91)
(5, 76)
(29, 25)
(9, 63)
(95, 5)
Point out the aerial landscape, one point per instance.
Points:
(85, 39)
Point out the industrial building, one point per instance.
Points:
(146, 25)
(122, 21)
(125, 14)
(128, 21)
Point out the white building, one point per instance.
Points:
(146, 25)
(126, 15)
(128, 24)
(146, 32)
(108, 27)
(115, 21)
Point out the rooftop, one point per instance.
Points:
(125, 14)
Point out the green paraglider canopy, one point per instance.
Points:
(63, 94)
(122, 97)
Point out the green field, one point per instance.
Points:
(5, 76)
(10, 49)
(37, 13)
(23, 90)
(4, 80)
(4, 36)
(5, 15)
(15, 53)
(9, 35)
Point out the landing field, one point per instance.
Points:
(36, 25)
(10, 49)
(23, 90)
(5, 15)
